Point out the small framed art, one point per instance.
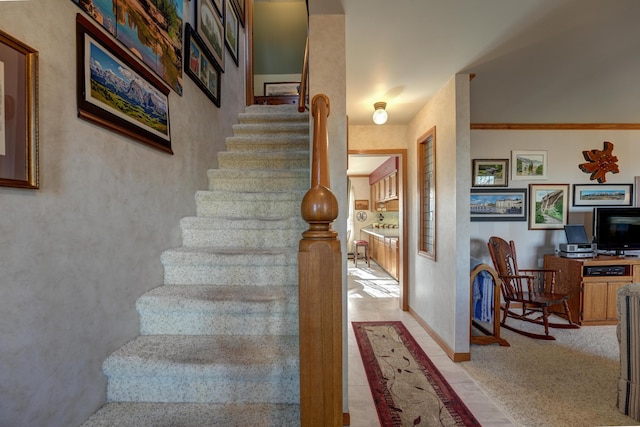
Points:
(281, 88)
(548, 206)
(528, 165)
(498, 204)
(362, 205)
(210, 29)
(199, 65)
(490, 172)
(231, 31)
(602, 194)
(18, 114)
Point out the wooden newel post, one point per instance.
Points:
(320, 290)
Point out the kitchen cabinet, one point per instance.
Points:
(385, 251)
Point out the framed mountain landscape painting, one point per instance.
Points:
(116, 92)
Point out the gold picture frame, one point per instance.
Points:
(19, 150)
(362, 205)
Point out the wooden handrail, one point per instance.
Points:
(320, 289)
(302, 96)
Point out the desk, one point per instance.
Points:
(592, 298)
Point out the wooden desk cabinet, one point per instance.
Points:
(593, 296)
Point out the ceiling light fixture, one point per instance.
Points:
(380, 116)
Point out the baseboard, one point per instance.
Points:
(456, 357)
(346, 419)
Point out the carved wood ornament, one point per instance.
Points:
(600, 162)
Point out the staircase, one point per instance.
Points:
(218, 342)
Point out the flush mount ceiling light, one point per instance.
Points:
(380, 116)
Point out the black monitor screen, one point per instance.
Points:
(576, 234)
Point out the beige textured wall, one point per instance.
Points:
(77, 253)
(327, 65)
(377, 137)
(564, 154)
(439, 290)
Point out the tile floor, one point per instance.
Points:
(373, 297)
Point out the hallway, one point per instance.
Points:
(372, 297)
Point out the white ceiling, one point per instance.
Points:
(536, 61)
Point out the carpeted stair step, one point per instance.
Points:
(249, 233)
(288, 115)
(149, 414)
(211, 369)
(263, 159)
(226, 204)
(273, 143)
(212, 310)
(271, 129)
(230, 266)
(272, 181)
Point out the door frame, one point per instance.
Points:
(403, 281)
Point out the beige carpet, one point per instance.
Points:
(568, 382)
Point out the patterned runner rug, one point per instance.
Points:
(407, 388)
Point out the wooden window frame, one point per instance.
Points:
(427, 196)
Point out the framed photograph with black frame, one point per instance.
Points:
(602, 194)
(115, 91)
(199, 65)
(239, 5)
(492, 204)
(548, 206)
(210, 28)
(490, 172)
(219, 6)
(231, 31)
(19, 150)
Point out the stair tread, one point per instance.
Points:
(171, 355)
(210, 223)
(152, 414)
(222, 195)
(222, 298)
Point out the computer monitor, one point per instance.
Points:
(576, 234)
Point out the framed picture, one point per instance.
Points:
(210, 29)
(19, 150)
(231, 29)
(153, 30)
(637, 187)
(528, 165)
(498, 204)
(490, 172)
(548, 206)
(200, 67)
(362, 205)
(115, 91)
(239, 6)
(602, 194)
(281, 88)
(219, 6)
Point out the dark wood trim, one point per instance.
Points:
(248, 52)
(555, 126)
(456, 357)
(346, 419)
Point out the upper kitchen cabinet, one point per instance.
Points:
(384, 184)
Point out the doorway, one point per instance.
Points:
(353, 155)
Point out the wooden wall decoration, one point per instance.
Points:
(599, 162)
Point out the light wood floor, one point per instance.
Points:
(372, 297)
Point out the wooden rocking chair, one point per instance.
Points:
(533, 290)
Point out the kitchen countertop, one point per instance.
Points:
(382, 232)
